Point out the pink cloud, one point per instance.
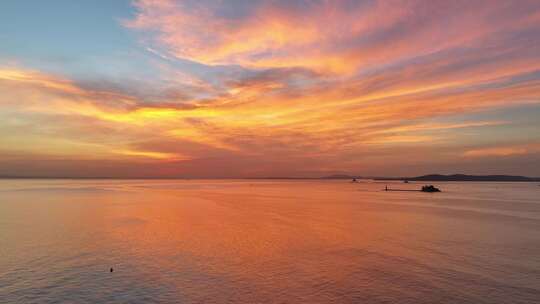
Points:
(334, 36)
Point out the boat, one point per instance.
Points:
(427, 188)
(430, 188)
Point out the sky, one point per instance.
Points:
(238, 88)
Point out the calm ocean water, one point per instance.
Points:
(238, 241)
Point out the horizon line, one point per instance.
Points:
(333, 176)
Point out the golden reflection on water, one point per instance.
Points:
(259, 241)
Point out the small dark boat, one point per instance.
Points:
(426, 188)
(430, 188)
(354, 180)
(405, 181)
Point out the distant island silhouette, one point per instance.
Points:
(447, 178)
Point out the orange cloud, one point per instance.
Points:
(150, 154)
(250, 120)
(503, 151)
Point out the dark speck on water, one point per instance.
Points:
(112, 269)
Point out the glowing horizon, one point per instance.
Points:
(162, 88)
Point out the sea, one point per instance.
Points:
(268, 241)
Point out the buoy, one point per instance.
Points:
(112, 269)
